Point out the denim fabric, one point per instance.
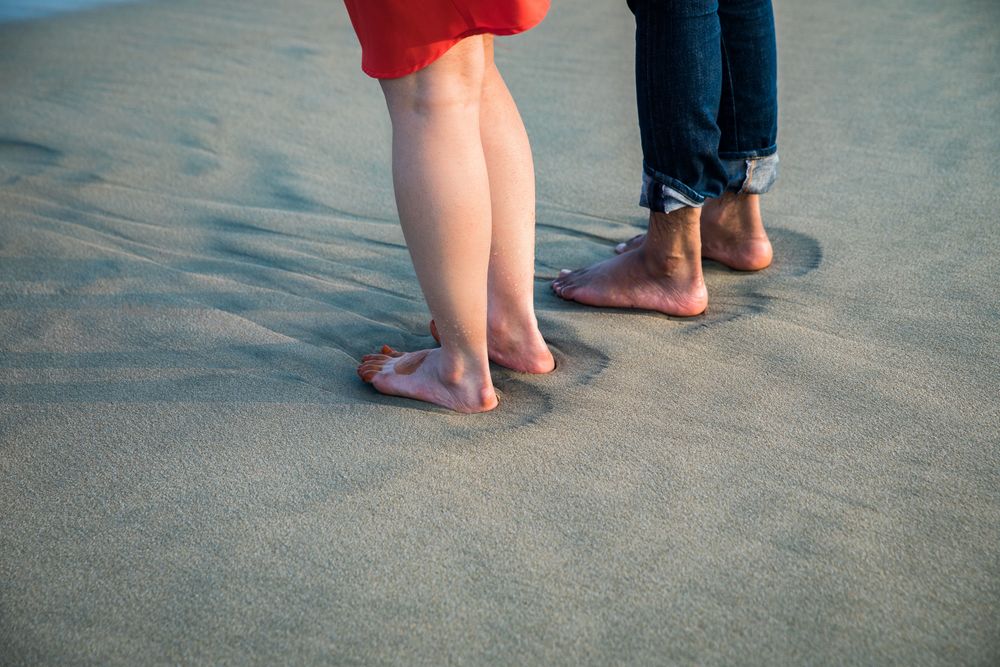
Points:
(751, 175)
(706, 81)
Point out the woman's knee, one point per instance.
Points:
(453, 82)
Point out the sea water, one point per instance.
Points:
(16, 10)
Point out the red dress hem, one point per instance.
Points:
(399, 38)
(447, 46)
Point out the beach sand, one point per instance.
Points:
(198, 241)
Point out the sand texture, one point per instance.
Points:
(198, 241)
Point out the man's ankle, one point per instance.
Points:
(673, 239)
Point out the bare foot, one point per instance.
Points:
(520, 349)
(427, 375)
(732, 233)
(663, 273)
(631, 244)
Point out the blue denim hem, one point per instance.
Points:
(746, 155)
(663, 194)
(753, 176)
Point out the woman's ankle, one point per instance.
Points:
(460, 366)
(510, 319)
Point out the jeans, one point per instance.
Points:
(706, 81)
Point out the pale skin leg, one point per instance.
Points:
(732, 233)
(443, 196)
(513, 338)
(435, 177)
(662, 273)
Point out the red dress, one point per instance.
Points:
(399, 37)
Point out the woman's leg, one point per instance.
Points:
(513, 336)
(443, 196)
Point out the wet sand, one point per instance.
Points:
(198, 241)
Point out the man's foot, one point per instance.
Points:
(662, 273)
(520, 349)
(732, 233)
(631, 244)
(429, 376)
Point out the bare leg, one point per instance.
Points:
(443, 197)
(662, 273)
(732, 233)
(512, 334)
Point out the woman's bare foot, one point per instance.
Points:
(662, 273)
(428, 375)
(732, 233)
(519, 348)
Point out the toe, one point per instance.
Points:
(570, 279)
(564, 290)
(372, 365)
(633, 242)
(368, 372)
(575, 277)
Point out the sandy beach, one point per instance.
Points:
(198, 241)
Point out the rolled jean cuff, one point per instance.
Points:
(662, 194)
(751, 175)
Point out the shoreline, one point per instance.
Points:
(16, 11)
